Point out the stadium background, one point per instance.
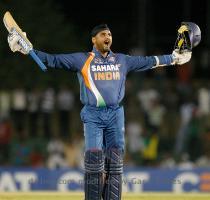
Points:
(167, 109)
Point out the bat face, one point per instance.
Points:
(9, 22)
(10, 25)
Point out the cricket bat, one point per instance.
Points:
(12, 27)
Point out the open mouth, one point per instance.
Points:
(106, 43)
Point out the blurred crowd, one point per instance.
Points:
(167, 125)
(172, 129)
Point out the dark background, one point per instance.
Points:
(132, 21)
(139, 27)
(143, 27)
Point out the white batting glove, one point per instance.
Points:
(14, 43)
(181, 58)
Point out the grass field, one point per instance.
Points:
(79, 196)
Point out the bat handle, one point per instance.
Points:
(37, 60)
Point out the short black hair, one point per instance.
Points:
(98, 29)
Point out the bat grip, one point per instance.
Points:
(37, 60)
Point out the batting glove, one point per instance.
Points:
(181, 58)
(16, 44)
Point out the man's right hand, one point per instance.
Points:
(15, 45)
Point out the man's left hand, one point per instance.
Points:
(181, 58)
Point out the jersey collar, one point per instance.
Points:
(98, 54)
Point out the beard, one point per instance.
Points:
(103, 47)
(106, 48)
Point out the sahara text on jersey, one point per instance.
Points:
(106, 72)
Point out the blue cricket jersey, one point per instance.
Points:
(102, 79)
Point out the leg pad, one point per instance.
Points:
(113, 169)
(94, 167)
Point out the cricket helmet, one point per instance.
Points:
(189, 36)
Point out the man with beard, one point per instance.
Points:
(102, 75)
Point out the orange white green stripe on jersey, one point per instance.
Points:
(89, 81)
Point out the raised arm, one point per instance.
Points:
(19, 42)
(141, 63)
(66, 61)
